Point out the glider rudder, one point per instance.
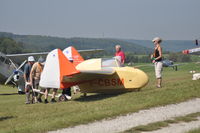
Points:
(72, 54)
(56, 67)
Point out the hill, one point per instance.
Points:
(47, 43)
(168, 45)
(37, 43)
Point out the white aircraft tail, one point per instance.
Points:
(56, 67)
(72, 54)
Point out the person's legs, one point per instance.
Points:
(159, 82)
(40, 96)
(53, 95)
(64, 91)
(27, 91)
(158, 72)
(68, 91)
(46, 95)
(36, 84)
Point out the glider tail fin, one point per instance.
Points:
(56, 67)
(66, 67)
(72, 54)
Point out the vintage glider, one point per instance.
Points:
(92, 76)
(9, 67)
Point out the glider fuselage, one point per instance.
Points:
(123, 80)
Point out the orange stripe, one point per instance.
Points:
(77, 58)
(66, 68)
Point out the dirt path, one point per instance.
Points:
(142, 117)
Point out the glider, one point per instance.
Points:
(92, 76)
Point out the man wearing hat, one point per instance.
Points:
(35, 76)
(157, 60)
(27, 70)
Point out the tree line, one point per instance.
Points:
(176, 57)
(10, 46)
(48, 43)
(179, 57)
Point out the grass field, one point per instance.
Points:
(195, 131)
(158, 125)
(16, 117)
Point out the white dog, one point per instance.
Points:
(196, 76)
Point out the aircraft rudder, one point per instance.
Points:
(72, 54)
(66, 67)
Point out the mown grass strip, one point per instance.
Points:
(195, 131)
(40, 118)
(161, 124)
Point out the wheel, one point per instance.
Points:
(62, 98)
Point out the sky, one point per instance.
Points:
(125, 19)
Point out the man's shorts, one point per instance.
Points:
(36, 85)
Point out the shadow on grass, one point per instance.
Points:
(6, 94)
(96, 97)
(6, 118)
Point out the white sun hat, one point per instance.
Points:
(31, 58)
(157, 39)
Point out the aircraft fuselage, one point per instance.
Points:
(124, 80)
(6, 69)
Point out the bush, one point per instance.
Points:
(179, 57)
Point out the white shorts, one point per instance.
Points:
(158, 69)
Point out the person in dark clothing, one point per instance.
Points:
(27, 70)
(66, 91)
(157, 60)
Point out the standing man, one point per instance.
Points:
(157, 60)
(35, 76)
(27, 70)
(120, 55)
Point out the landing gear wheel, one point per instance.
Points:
(62, 98)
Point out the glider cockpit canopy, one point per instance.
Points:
(110, 62)
(98, 64)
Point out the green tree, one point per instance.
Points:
(179, 57)
(173, 57)
(9, 46)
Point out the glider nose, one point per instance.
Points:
(142, 79)
(135, 78)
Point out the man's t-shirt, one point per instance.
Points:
(27, 70)
(121, 54)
